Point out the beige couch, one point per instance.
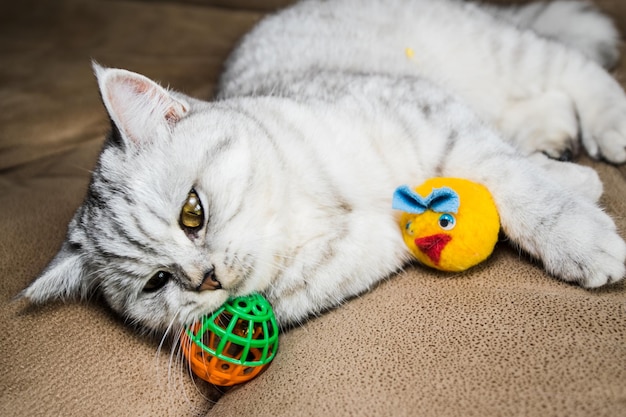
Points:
(503, 339)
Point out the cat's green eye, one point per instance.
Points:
(192, 214)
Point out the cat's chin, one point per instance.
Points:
(205, 306)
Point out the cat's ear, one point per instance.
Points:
(63, 278)
(141, 109)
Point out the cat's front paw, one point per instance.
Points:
(591, 254)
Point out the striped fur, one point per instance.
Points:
(321, 115)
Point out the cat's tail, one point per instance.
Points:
(578, 24)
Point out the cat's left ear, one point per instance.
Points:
(141, 109)
(64, 278)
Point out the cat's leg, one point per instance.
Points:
(578, 178)
(546, 123)
(601, 107)
(577, 24)
(543, 71)
(542, 210)
(546, 83)
(574, 239)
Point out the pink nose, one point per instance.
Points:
(209, 282)
(432, 245)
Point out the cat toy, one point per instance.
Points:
(234, 344)
(450, 224)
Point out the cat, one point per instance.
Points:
(283, 184)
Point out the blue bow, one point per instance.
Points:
(440, 200)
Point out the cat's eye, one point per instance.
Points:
(192, 213)
(157, 281)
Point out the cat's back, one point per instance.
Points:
(376, 36)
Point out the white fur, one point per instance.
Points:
(490, 64)
(322, 114)
(577, 24)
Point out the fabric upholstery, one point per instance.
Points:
(501, 339)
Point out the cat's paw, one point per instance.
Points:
(601, 107)
(607, 140)
(590, 253)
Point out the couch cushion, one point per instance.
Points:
(501, 339)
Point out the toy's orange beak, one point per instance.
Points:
(432, 245)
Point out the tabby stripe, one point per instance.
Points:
(220, 147)
(99, 237)
(330, 252)
(157, 215)
(296, 289)
(451, 141)
(121, 230)
(540, 10)
(182, 278)
(286, 262)
(111, 255)
(123, 272)
(518, 53)
(95, 198)
(101, 181)
(236, 212)
(405, 122)
(551, 221)
(281, 157)
(295, 134)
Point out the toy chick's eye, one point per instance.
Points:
(447, 221)
(192, 213)
(407, 227)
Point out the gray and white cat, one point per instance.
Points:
(283, 184)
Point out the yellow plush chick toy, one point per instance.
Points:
(450, 224)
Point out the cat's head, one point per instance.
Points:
(171, 225)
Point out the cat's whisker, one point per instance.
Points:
(168, 334)
(176, 365)
(185, 368)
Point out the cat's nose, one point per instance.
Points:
(209, 282)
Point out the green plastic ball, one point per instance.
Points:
(235, 343)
